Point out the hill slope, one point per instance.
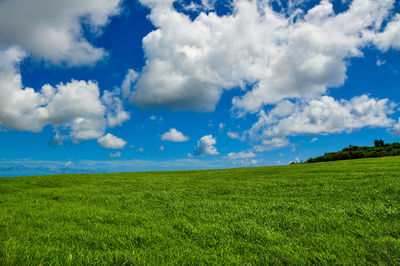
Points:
(337, 212)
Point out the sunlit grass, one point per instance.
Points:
(345, 212)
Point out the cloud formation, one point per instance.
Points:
(294, 54)
(75, 106)
(174, 136)
(241, 155)
(247, 162)
(205, 146)
(115, 114)
(115, 155)
(396, 129)
(271, 144)
(390, 38)
(51, 30)
(319, 116)
(233, 135)
(110, 141)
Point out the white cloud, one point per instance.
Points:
(57, 139)
(78, 106)
(290, 55)
(116, 154)
(110, 141)
(380, 62)
(115, 114)
(208, 4)
(241, 155)
(26, 109)
(313, 140)
(205, 5)
(155, 118)
(390, 37)
(75, 105)
(174, 136)
(51, 30)
(129, 81)
(27, 167)
(318, 116)
(233, 135)
(86, 129)
(271, 144)
(205, 146)
(396, 129)
(162, 148)
(247, 162)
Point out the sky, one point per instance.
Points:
(95, 86)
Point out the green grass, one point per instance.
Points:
(345, 212)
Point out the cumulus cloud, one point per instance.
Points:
(319, 116)
(26, 109)
(174, 136)
(390, 38)
(204, 5)
(241, 155)
(294, 54)
(75, 105)
(51, 30)
(205, 146)
(110, 141)
(396, 129)
(271, 144)
(115, 114)
(86, 128)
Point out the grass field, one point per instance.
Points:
(345, 212)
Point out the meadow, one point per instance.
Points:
(343, 212)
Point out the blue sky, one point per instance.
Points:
(109, 85)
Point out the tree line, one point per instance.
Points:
(379, 149)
